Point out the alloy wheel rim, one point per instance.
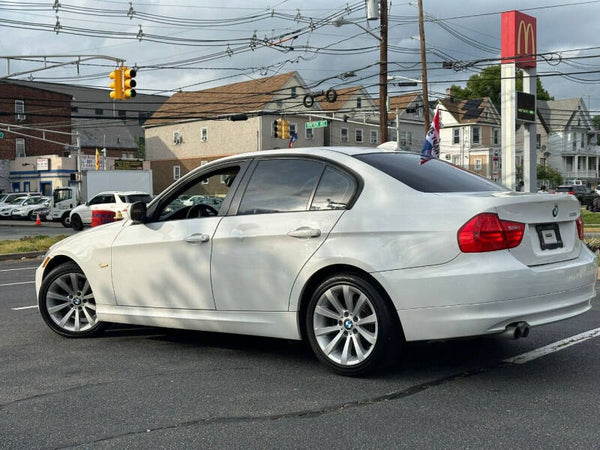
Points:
(71, 304)
(345, 325)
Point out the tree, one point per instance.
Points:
(488, 84)
(596, 121)
(549, 174)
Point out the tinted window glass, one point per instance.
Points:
(335, 190)
(201, 197)
(132, 198)
(281, 185)
(432, 176)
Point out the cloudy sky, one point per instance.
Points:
(195, 44)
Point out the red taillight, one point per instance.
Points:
(579, 223)
(571, 192)
(487, 233)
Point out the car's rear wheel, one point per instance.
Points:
(76, 222)
(66, 222)
(67, 303)
(350, 326)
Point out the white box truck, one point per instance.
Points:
(93, 182)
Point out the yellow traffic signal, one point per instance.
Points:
(129, 83)
(116, 84)
(285, 134)
(282, 129)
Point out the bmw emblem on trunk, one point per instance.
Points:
(555, 211)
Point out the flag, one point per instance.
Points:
(293, 139)
(431, 145)
(97, 160)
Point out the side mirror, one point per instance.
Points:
(137, 212)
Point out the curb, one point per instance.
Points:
(24, 255)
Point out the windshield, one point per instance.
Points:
(17, 201)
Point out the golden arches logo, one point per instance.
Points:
(526, 32)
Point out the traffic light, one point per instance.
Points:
(129, 83)
(116, 84)
(282, 129)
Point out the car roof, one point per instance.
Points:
(122, 193)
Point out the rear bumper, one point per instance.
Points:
(481, 294)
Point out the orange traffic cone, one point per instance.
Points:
(37, 219)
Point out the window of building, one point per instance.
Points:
(122, 113)
(204, 134)
(478, 163)
(293, 92)
(293, 129)
(20, 147)
(19, 110)
(177, 138)
(476, 135)
(538, 141)
(582, 140)
(405, 138)
(344, 134)
(309, 133)
(358, 102)
(456, 160)
(358, 135)
(374, 137)
(497, 137)
(456, 136)
(176, 172)
(99, 111)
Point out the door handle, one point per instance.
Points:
(305, 233)
(197, 238)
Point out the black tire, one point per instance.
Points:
(360, 334)
(30, 216)
(66, 222)
(67, 303)
(76, 222)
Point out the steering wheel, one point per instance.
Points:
(201, 210)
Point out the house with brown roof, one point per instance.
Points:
(353, 118)
(192, 128)
(470, 135)
(406, 113)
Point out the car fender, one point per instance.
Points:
(91, 251)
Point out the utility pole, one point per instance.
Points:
(423, 67)
(383, 56)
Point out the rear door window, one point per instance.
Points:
(335, 190)
(281, 185)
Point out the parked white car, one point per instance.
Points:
(6, 208)
(352, 249)
(7, 198)
(27, 210)
(81, 215)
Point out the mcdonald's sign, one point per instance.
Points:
(519, 39)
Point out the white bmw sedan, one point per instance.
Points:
(355, 250)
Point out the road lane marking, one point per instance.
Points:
(24, 307)
(14, 284)
(555, 347)
(22, 268)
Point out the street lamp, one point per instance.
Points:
(382, 38)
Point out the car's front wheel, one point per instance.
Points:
(76, 222)
(66, 222)
(350, 326)
(67, 303)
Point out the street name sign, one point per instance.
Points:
(316, 124)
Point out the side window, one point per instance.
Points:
(335, 190)
(201, 197)
(281, 185)
(97, 200)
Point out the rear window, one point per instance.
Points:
(432, 176)
(565, 189)
(136, 198)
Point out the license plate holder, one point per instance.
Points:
(549, 235)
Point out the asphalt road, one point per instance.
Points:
(16, 229)
(138, 387)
